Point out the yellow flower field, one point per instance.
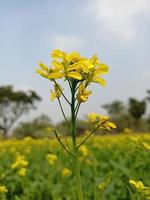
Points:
(41, 169)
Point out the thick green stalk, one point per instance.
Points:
(74, 143)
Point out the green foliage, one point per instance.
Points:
(116, 107)
(148, 96)
(129, 116)
(136, 108)
(125, 157)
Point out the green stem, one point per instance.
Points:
(62, 93)
(74, 143)
(59, 140)
(91, 133)
(63, 113)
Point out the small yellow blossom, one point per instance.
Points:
(137, 184)
(92, 117)
(66, 172)
(57, 54)
(56, 93)
(3, 189)
(20, 162)
(108, 125)
(51, 158)
(84, 150)
(83, 94)
(22, 171)
(101, 121)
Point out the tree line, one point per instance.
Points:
(130, 117)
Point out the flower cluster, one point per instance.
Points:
(21, 164)
(73, 67)
(143, 191)
(51, 158)
(137, 184)
(103, 122)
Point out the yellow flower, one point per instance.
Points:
(84, 150)
(101, 121)
(20, 162)
(56, 93)
(83, 94)
(73, 57)
(147, 146)
(137, 184)
(72, 65)
(22, 171)
(43, 67)
(51, 158)
(95, 70)
(92, 117)
(3, 189)
(108, 125)
(74, 75)
(57, 54)
(66, 172)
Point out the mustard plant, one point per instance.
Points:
(79, 73)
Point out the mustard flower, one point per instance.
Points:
(3, 189)
(84, 150)
(66, 172)
(83, 93)
(102, 121)
(22, 171)
(73, 66)
(56, 93)
(51, 158)
(137, 184)
(20, 162)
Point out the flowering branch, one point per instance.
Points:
(59, 140)
(91, 133)
(62, 93)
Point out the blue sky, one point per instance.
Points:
(117, 30)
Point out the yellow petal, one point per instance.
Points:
(74, 75)
(57, 54)
(94, 59)
(87, 63)
(100, 81)
(111, 124)
(42, 73)
(55, 75)
(74, 66)
(57, 65)
(44, 67)
(52, 96)
(102, 69)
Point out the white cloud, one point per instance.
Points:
(65, 42)
(119, 16)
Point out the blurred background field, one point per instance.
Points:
(41, 169)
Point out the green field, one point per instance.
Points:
(41, 170)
